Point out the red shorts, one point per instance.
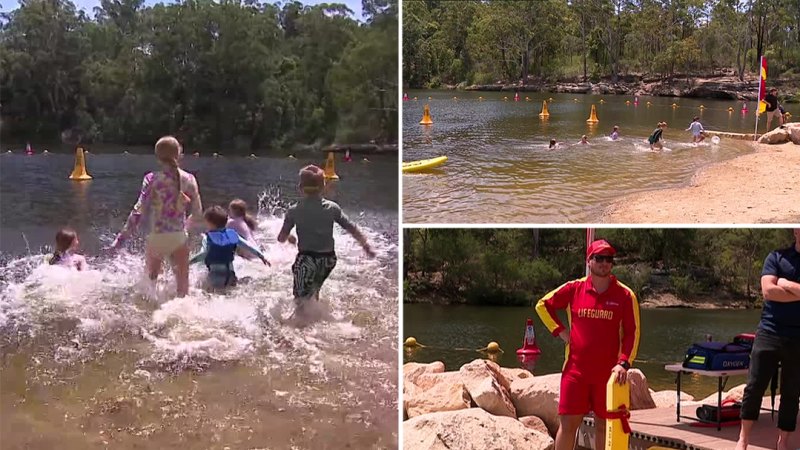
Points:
(578, 397)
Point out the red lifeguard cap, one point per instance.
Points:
(600, 246)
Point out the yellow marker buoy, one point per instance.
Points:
(480, 99)
(330, 172)
(426, 116)
(602, 101)
(44, 152)
(550, 99)
(788, 114)
(415, 98)
(430, 98)
(674, 105)
(455, 98)
(492, 348)
(365, 160)
(292, 157)
(411, 342)
(79, 172)
(545, 112)
(505, 99)
(618, 406)
(253, 156)
(527, 99)
(125, 152)
(648, 103)
(575, 100)
(702, 107)
(730, 109)
(627, 102)
(592, 116)
(215, 155)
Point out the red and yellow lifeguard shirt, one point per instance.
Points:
(604, 327)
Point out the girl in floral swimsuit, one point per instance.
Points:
(160, 213)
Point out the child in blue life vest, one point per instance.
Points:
(219, 248)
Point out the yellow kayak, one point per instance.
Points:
(423, 164)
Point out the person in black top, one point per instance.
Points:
(777, 342)
(772, 107)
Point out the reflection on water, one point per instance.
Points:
(89, 361)
(500, 168)
(453, 334)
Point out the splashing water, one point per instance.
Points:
(62, 317)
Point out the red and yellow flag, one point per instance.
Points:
(762, 87)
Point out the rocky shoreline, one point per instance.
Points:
(725, 87)
(483, 405)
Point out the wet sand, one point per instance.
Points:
(761, 187)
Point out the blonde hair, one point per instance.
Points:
(168, 150)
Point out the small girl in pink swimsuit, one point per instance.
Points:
(160, 213)
(66, 245)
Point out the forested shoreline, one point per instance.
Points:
(232, 74)
(514, 267)
(483, 43)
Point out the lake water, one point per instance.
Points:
(452, 335)
(89, 362)
(500, 170)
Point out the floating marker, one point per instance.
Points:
(415, 98)
(426, 116)
(411, 342)
(730, 109)
(215, 155)
(196, 154)
(492, 348)
(28, 149)
(627, 102)
(674, 105)
(291, 157)
(505, 99)
(330, 172)
(602, 101)
(253, 156)
(545, 112)
(702, 107)
(455, 98)
(480, 99)
(592, 116)
(79, 172)
(527, 99)
(347, 157)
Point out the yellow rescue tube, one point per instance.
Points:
(618, 403)
(424, 164)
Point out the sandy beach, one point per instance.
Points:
(761, 187)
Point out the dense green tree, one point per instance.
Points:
(516, 266)
(484, 41)
(223, 74)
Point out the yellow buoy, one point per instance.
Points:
(505, 99)
(480, 99)
(79, 172)
(415, 98)
(627, 102)
(550, 99)
(411, 342)
(527, 99)
(730, 109)
(618, 402)
(365, 160)
(292, 157)
(674, 105)
(648, 103)
(602, 101)
(575, 100)
(429, 98)
(455, 98)
(426, 116)
(592, 116)
(545, 112)
(330, 172)
(493, 347)
(253, 156)
(702, 107)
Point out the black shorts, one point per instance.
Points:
(310, 270)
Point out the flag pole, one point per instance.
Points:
(762, 69)
(589, 240)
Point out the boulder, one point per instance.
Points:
(640, 392)
(471, 429)
(538, 396)
(734, 394)
(535, 423)
(668, 399)
(413, 370)
(435, 392)
(776, 136)
(794, 132)
(488, 387)
(514, 374)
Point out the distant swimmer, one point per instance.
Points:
(615, 133)
(584, 140)
(553, 143)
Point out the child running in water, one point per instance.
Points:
(66, 245)
(166, 196)
(655, 138)
(584, 140)
(615, 133)
(219, 247)
(697, 130)
(243, 223)
(314, 216)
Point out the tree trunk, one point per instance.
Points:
(535, 232)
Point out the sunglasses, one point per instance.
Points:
(603, 258)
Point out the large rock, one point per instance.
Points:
(435, 392)
(794, 132)
(535, 423)
(488, 387)
(734, 394)
(668, 399)
(471, 429)
(515, 374)
(776, 136)
(538, 396)
(640, 392)
(413, 370)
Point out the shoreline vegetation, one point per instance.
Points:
(708, 49)
(231, 76)
(666, 268)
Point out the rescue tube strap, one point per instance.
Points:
(623, 415)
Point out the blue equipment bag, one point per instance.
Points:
(717, 356)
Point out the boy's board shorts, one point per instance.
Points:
(310, 270)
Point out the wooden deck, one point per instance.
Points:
(658, 427)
